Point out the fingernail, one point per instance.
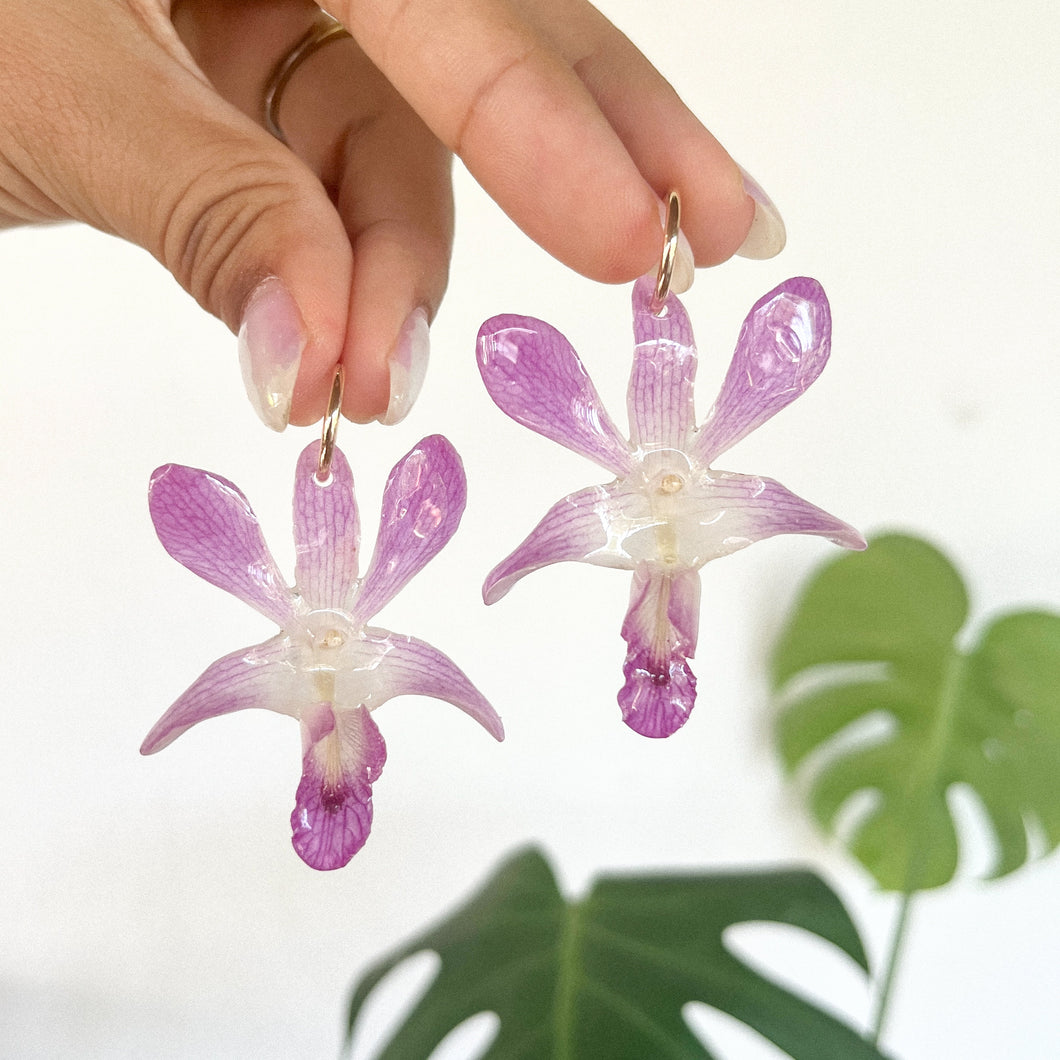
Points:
(767, 236)
(685, 262)
(408, 366)
(271, 339)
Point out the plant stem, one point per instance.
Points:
(890, 969)
(921, 793)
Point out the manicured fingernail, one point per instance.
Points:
(767, 236)
(271, 339)
(685, 262)
(408, 366)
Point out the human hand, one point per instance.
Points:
(146, 123)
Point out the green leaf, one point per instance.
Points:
(607, 976)
(874, 635)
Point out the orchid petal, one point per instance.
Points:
(533, 374)
(661, 412)
(748, 508)
(782, 348)
(253, 677)
(327, 531)
(205, 523)
(589, 525)
(405, 666)
(343, 756)
(423, 500)
(661, 628)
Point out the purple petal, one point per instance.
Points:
(326, 531)
(749, 508)
(411, 667)
(782, 348)
(661, 629)
(253, 677)
(422, 503)
(579, 527)
(533, 374)
(661, 412)
(205, 523)
(343, 756)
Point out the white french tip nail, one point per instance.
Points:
(408, 366)
(271, 339)
(685, 263)
(767, 236)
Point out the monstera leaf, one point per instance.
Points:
(875, 636)
(607, 976)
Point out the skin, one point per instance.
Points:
(144, 119)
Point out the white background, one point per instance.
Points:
(154, 907)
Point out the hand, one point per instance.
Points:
(146, 123)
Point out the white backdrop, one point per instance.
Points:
(154, 907)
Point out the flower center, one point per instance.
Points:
(665, 471)
(330, 638)
(673, 525)
(325, 642)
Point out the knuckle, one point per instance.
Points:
(213, 222)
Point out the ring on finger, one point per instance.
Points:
(326, 29)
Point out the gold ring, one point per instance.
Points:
(669, 254)
(326, 29)
(331, 429)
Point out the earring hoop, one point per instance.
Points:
(331, 429)
(669, 254)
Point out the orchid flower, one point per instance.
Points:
(668, 511)
(327, 667)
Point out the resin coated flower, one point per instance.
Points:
(668, 511)
(327, 667)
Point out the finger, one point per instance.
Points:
(668, 144)
(385, 171)
(389, 177)
(498, 94)
(219, 202)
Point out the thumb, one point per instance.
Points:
(132, 139)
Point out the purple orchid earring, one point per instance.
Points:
(668, 511)
(326, 667)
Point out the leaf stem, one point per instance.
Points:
(890, 970)
(923, 787)
(566, 980)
